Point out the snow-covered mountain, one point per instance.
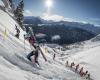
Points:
(69, 32)
(85, 26)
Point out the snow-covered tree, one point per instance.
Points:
(19, 13)
(11, 3)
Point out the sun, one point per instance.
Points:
(49, 3)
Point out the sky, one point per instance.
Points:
(72, 10)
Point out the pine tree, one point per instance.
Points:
(19, 13)
(11, 3)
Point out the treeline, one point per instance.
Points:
(18, 10)
(67, 35)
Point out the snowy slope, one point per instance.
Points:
(82, 46)
(87, 56)
(13, 62)
(89, 59)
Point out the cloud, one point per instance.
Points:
(55, 17)
(40, 35)
(95, 19)
(55, 37)
(28, 13)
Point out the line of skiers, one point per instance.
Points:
(80, 71)
(33, 55)
(30, 38)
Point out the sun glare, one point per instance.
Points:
(49, 3)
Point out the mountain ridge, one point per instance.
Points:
(69, 32)
(86, 26)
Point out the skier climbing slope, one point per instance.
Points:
(33, 56)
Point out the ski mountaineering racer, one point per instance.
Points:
(35, 54)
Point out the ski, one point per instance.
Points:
(38, 44)
(42, 53)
